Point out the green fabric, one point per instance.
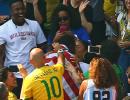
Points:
(86, 75)
(119, 73)
(118, 70)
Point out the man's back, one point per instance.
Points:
(45, 82)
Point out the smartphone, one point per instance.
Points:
(63, 28)
(94, 49)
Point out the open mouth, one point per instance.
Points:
(20, 15)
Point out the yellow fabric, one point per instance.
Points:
(12, 96)
(109, 8)
(44, 81)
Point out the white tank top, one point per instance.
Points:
(93, 93)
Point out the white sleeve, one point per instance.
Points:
(40, 37)
(119, 17)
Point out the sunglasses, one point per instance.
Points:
(64, 18)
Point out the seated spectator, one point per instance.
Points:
(102, 80)
(3, 91)
(62, 21)
(9, 79)
(44, 82)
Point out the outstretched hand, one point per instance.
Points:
(22, 70)
(83, 5)
(56, 46)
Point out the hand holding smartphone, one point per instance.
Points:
(63, 28)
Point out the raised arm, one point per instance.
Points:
(82, 89)
(85, 23)
(60, 52)
(37, 13)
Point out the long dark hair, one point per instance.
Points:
(110, 50)
(73, 16)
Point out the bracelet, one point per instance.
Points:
(60, 51)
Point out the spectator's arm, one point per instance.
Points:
(82, 89)
(74, 3)
(85, 23)
(37, 13)
(73, 72)
(22, 70)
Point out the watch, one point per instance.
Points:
(60, 51)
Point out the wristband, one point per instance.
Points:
(60, 51)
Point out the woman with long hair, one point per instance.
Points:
(62, 20)
(102, 82)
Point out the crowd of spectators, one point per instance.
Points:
(84, 53)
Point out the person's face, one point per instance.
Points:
(63, 18)
(127, 3)
(11, 80)
(80, 48)
(18, 13)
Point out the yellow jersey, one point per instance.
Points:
(44, 83)
(12, 96)
(109, 8)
